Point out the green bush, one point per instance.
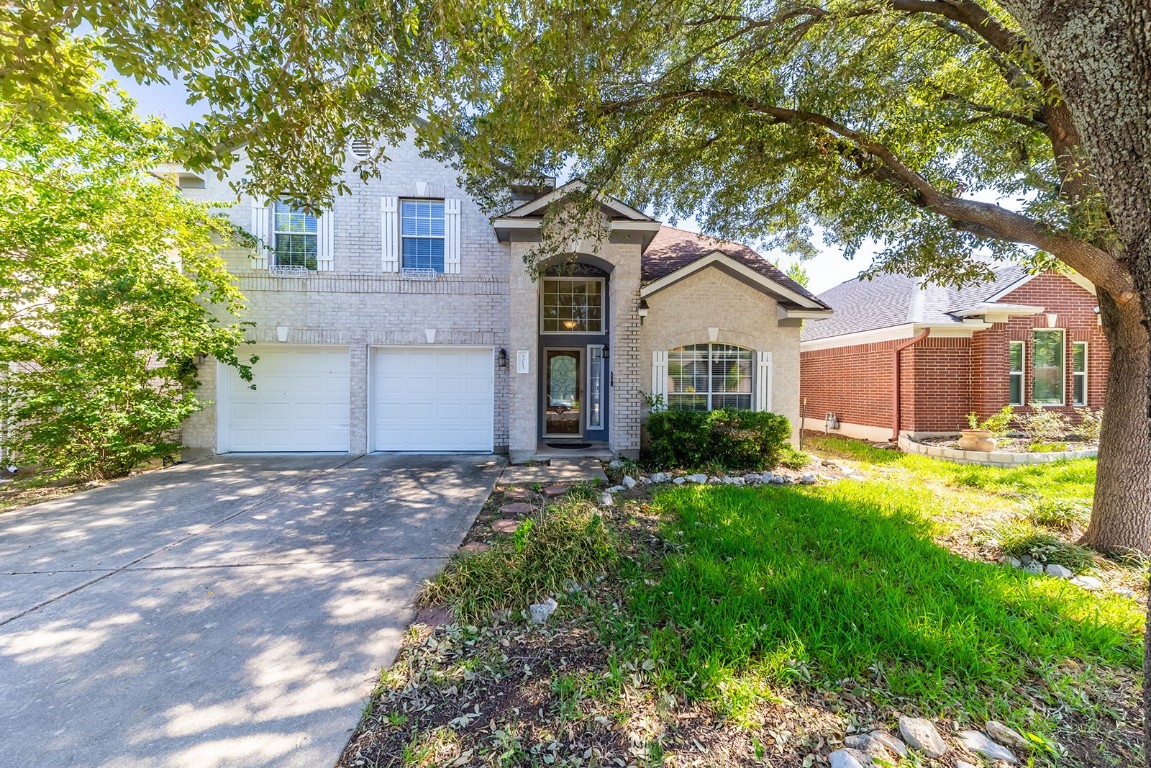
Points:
(1090, 424)
(793, 459)
(730, 439)
(1058, 514)
(1044, 425)
(998, 423)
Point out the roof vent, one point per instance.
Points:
(361, 147)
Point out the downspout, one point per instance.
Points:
(896, 388)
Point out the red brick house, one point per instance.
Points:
(902, 357)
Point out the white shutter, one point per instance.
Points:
(659, 375)
(326, 241)
(452, 236)
(262, 230)
(390, 233)
(763, 381)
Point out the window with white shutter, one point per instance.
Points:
(261, 230)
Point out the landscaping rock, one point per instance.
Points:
(505, 526)
(875, 750)
(660, 477)
(714, 480)
(1125, 591)
(606, 500)
(751, 478)
(1058, 571)
(1033, 567)
(696, 478)
(974, 741)
(738, 481)
(1007, 736)
(615, 489)
(808, 478)
(1014, 562)
(516, 509)
(964, 764)
(555, 491)
(629, 482)
(1087, 582)
(679, 481)
(920, 733)
(847, 758)
(541, 612)
(889, 741)
(614, 464)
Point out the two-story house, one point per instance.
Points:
(404, 319)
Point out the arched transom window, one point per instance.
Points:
(703, 377)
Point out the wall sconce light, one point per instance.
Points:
(606, 351)
(1052, 318)
(502, 358)
(1098, 317)
(199, 358)
(282, 333)
(642, 311)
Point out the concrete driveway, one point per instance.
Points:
(228, 612)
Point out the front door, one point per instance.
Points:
(563, 374)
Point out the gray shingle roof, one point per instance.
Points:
(889, 300)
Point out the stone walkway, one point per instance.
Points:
(557, 471)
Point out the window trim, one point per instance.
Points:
(1021, 373)
(1084, 373)
(400, 230)
(602, 305)
(273, 262)
(711, 345)
(1063, 370)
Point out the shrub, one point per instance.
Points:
(793, 459)
(1021, 538)
(1090, 424)
(1043, 425)
(996, 423)
(1058, 514)
(730, 439)
(563, 544)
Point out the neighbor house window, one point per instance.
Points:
(422, 234)
(572, 305)
(1079, 373)
(1048, 365)
(1015, 361)
(294, 237)
(703, 377)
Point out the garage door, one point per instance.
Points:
(432, 399)
(301, 402)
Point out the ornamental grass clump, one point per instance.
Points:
(562, 545)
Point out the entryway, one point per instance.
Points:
(563, 373)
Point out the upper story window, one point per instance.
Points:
(572, 305)
(422, 234)
(1015, 362)
(295, 237)
(1047, 359)
(704, 377)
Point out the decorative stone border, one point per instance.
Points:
(990, 458)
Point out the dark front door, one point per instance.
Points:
(563, 371)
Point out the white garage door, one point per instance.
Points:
(432, 399)
(301, 402)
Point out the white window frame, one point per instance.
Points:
(590, 365)
(752, 365)
(402, 236)
(1063, 371)
(1077, 374)
(275, 237)
(575, 332)
(1021, 373)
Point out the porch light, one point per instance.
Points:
(569, 324)
(502, 358)
(606, 351)
(643, 308)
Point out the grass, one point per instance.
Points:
(774, 585)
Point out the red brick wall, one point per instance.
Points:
(943, 379)
(936, 387)
(854, 382)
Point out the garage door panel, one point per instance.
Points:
(301, 403)
(435, 399)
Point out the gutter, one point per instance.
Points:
(896, 390)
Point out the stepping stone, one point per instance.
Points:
(516, 494)
(517, 509)
(505, 526)
(434, 616)
(474, 548)
(555, 491)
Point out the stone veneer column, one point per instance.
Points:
(523, 393)
(358, 364)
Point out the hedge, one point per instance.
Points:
(730, 439)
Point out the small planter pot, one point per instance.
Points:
(976, 440)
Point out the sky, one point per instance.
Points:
(169, 101)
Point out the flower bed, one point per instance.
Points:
(1008, 452)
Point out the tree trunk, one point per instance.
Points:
(1121, 518)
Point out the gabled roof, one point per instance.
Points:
(892, 300)
(612, 208)
(677, 251)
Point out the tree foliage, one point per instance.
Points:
(110, 286)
